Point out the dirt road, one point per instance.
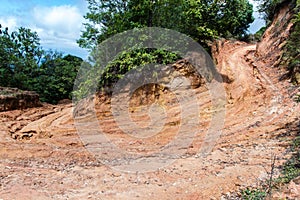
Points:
(47, 160)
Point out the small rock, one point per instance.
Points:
(116, 174)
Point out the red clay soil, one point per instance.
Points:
(43, 157)
(13, 98)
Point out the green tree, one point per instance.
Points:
(268, 8)
(107, 18)
(292, 48)
(215, 18)
(56, 76)
(202, 19)
(20, 56)
(25, 65)
(8, 57)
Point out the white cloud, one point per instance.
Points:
(10, 22)
(58, 23)
(58, 27)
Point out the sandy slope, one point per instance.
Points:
(51, 162)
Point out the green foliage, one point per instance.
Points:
(296, 144)
(55, 76)
(20, 53)
(23, 64)
(297, 99)
(107, 18)
(211, 19)
(253, 194)
(269, 8)
(291, 168)
(292, 48)
(201, 19)
(133, 60)
(258, 35)
(115, 70)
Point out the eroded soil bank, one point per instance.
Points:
(43, 157)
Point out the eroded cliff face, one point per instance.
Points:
(270, 49)
(12, 99)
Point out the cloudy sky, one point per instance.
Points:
(57, 22)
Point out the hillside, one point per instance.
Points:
(43, 157)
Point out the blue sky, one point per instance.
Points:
(57, 22)
(258, 23)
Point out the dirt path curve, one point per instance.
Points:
(251, 94)
(55, 165)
